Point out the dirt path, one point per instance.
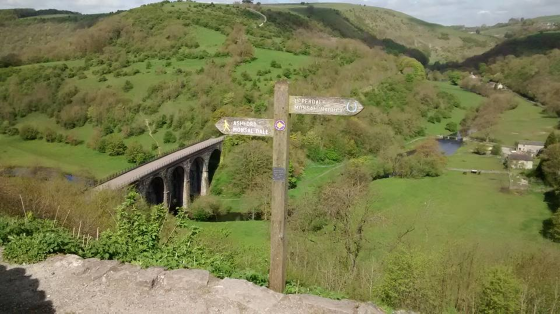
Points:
(152, 136)
(70, 284)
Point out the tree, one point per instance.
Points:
(114, 145)
(480, 149)
(247, 1)
(551, 139)
(136, 154)
(451, 127)
(455, 77)
(127, 86)
(550, 165)
(50, 135)
(554, 232)
(28, 133)
(169, 137)
(496, 149)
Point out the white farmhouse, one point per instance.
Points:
(530, 147)
(520, 161)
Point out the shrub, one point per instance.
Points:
(32, 240)
(500, 292)
(127, 87)
(206, 207)
(275, 64)
(451, 127)
(4, 126)
(102, 79)
(113, 145)
(554, 233)
(169, 137)
(496, 150)
(12, 131)
(50, 135)
(402, 281)
(480, 149)
(28, 133)
(136, 154)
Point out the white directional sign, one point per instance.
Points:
(334, 106)
(246, 126)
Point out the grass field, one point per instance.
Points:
(78, 160)
(526, 122)
(464, 158)
(264, 57)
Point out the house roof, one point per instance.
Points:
(520, 157)
(533, 143)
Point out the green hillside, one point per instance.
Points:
(437, 42)
(518, 28)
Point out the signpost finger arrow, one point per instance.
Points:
(334, 106)
(246, 126)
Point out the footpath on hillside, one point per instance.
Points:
(70, 284)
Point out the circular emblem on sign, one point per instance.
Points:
(352, 107)
(280, 125)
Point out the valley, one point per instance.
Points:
(376, 212)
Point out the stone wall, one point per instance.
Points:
(70, 284)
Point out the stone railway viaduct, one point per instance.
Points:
(175, 179)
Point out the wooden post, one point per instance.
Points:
(278, 241)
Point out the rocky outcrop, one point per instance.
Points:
(70, 284)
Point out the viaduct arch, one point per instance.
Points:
(176, 179)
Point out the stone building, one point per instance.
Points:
(520, 161)
(530, 147)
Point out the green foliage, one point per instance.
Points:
(169, 137)
(551, 139)
(500, 293)
(455, 77)
(274, 64)
(136, 233)
(207, 207)
(31, 240)
(554, 233)
(127, 87)
(50, 135)
(136, 154)
(496, 150)
(480, 149)
(425, 161)
(28, 133)
(451, 127)
(113, 145)
(404, 280)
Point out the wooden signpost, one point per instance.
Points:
(279, 129)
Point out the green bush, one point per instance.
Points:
(28, 133)
(403, 278)
(496, 150)
(451, 127)
(136, 154)
(50, 135)
(169, 137)
(32, 240)
(206, 207)
(113, 145)
(275, 64)
(127, 87)
(500, 292)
